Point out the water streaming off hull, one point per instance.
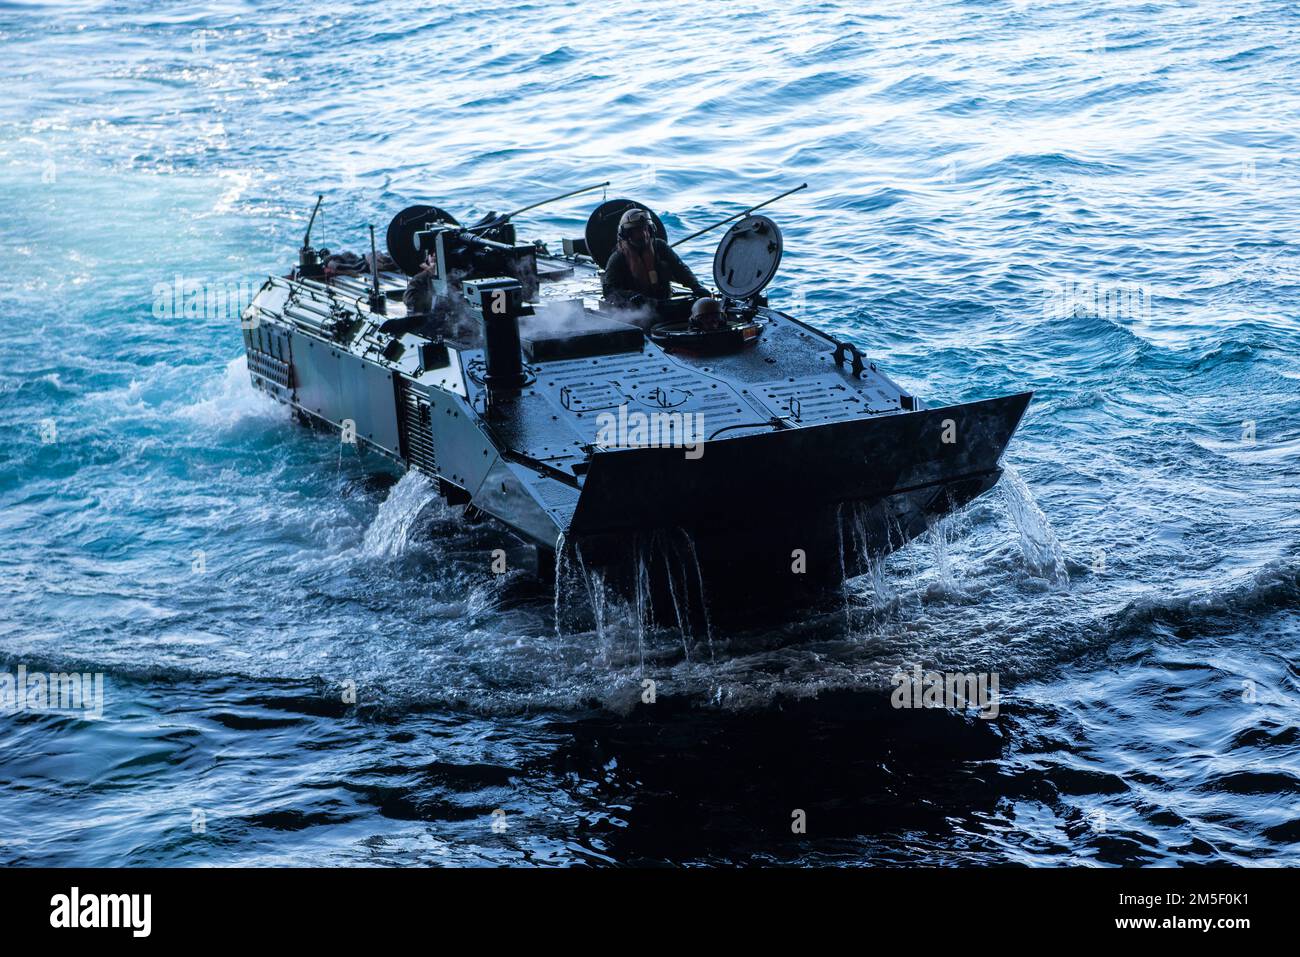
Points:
(941, 536)
(654, 589)
(1038, 542)
(389, 533)
(867, 535)
(559, 585)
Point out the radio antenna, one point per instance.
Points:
(306, 239)
(503, 219)
(739, 215)
(378, 304)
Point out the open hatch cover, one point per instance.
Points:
(748, 257)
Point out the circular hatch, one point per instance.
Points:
(403, 247)
(748, 257)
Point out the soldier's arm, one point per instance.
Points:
(418, 297)
(679, 271)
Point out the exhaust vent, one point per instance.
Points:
(415, 422)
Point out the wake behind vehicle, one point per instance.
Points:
(768, 458)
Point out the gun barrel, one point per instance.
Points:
(377, 302)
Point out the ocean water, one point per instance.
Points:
(1093, 200)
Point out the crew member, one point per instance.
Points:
(706, 315)
(418, 297)
(640, 271)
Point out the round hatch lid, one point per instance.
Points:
(400, 239)
(602, 227)
(748, 257)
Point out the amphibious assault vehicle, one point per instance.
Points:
(771, 457)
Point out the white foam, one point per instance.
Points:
(230, 398)
(1038, 543)
(389, 534)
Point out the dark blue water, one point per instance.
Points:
(1092, 200)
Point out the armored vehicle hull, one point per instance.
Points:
(775, 464)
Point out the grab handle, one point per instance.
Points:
(858, 364)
